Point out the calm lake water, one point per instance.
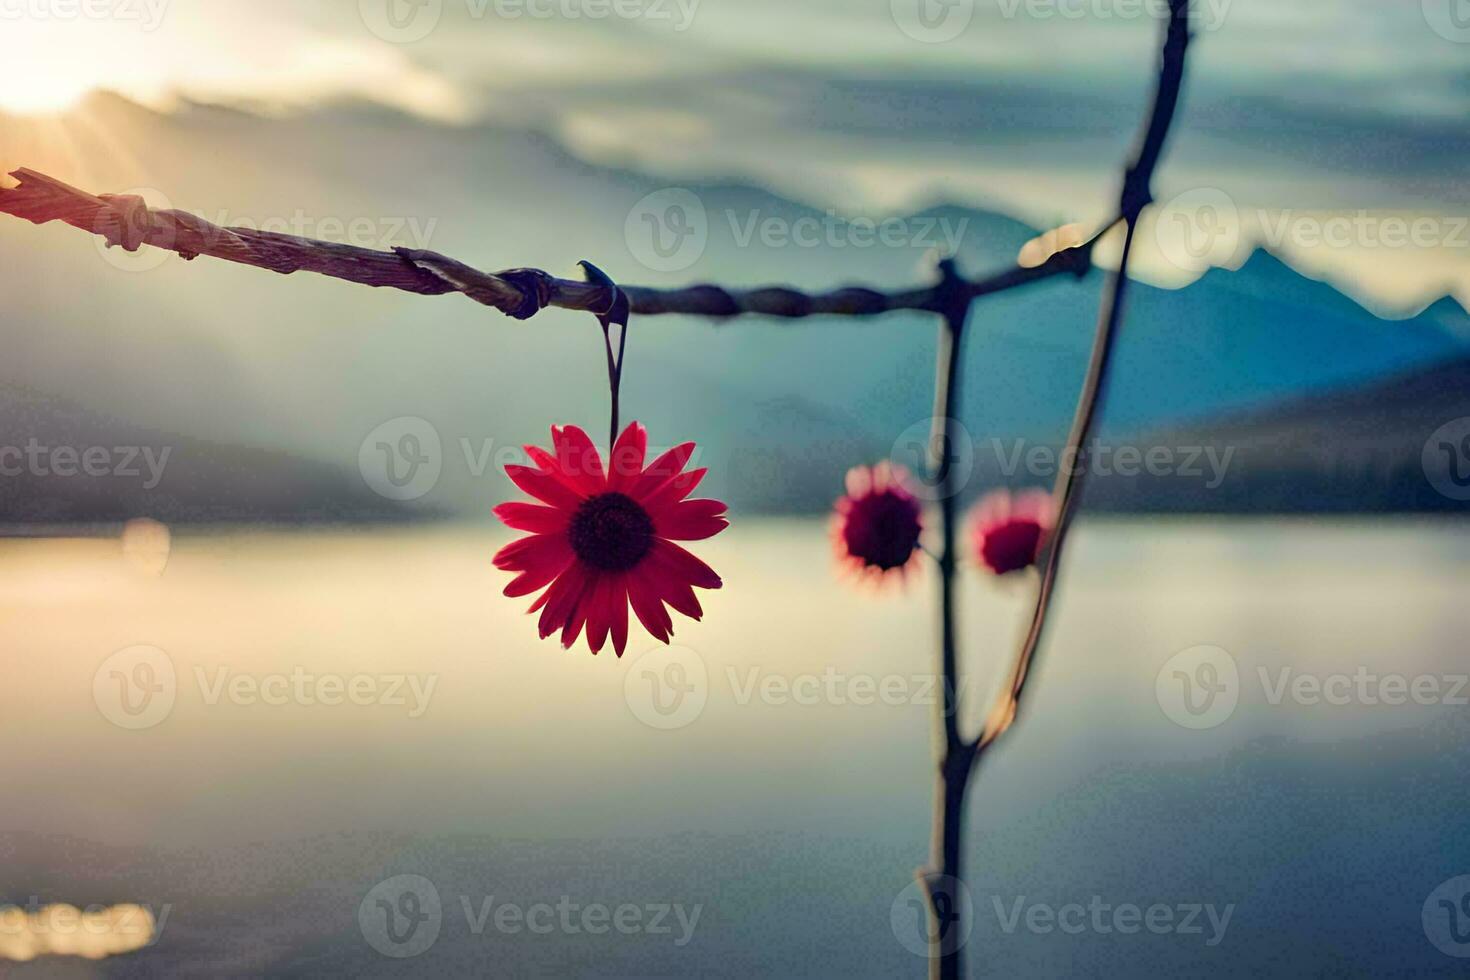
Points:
(254, 741)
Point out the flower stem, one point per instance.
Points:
(941, 879)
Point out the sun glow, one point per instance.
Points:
(38, 94)
(209, 54)
(45, 71)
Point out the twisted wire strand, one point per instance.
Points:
(126, 221)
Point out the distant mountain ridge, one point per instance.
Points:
(307, 366)
(1398, 445)
(61, 464)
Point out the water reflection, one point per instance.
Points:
(328, 710)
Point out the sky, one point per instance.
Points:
(1330, 130)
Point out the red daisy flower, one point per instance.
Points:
(1007, 531)
(877, 523)
(601, 541)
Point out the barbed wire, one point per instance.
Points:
(127, 222)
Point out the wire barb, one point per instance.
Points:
(520, 293)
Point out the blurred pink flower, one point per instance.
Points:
(1008, 530)
(877, 523)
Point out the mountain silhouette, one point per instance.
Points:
(307, 366)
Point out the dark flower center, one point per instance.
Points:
(610, 531)
(883, 530)
(1013, 546)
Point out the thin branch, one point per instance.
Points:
(1135, 196)
(126, 221)
(940, 878)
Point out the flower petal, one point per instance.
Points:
(643, 597)
(551, 466)
(661, 470)
(532, 517)
(579, 460)
(560, 600)
(682, 598)
(673, 490)
(524, 554)
(625, 462)
(545, 487)
(540, 558)
(600, 613)
(672, 559)
(691, 520)
(578, 615)
(620, 614)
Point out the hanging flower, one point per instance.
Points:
(601, 541)
(1007, 531)
(877, 523)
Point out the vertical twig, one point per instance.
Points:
(941, 878)
(1136, 194)
(958, 756)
